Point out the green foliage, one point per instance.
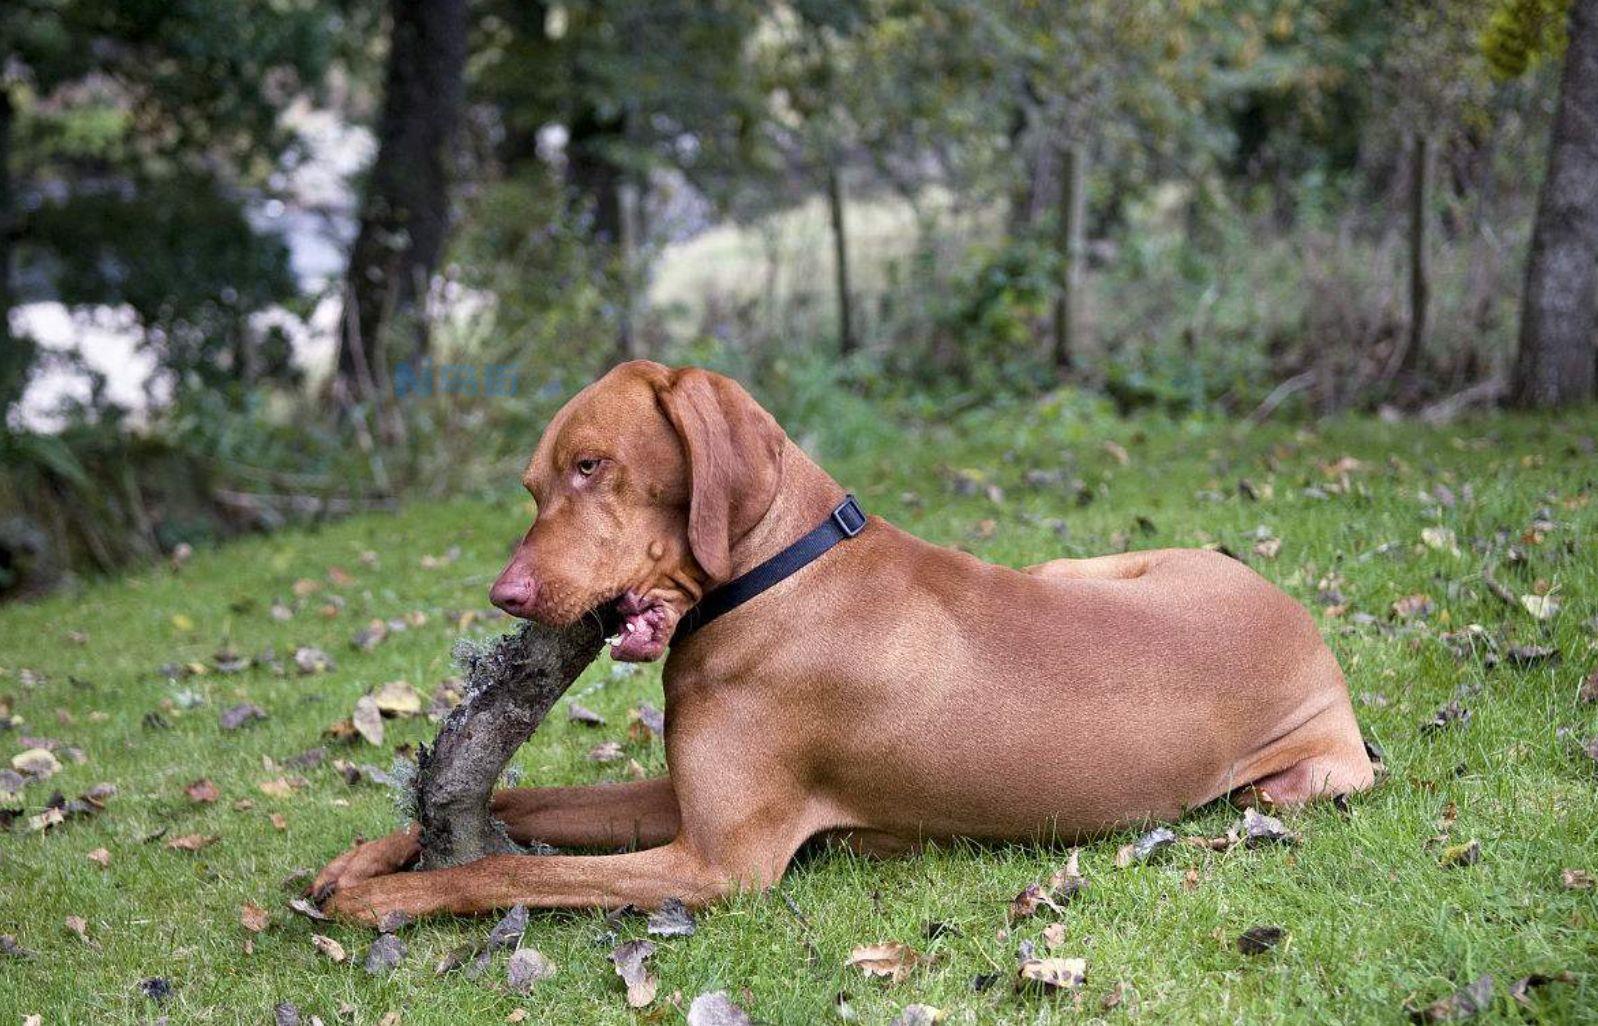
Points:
(1522, 33)
(180, 253)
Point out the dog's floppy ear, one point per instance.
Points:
(734, 453)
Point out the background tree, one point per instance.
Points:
(405, 209)
(128, 134)
(1555, 363)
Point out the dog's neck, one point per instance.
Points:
(806, 494)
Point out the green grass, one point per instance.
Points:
(1373, 920)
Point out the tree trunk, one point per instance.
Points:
(1559, 313)
(1069, 248)
(1419, 273)
(7, 213)
(840, 252)
(405, 212)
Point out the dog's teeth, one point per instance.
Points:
(630, 627)
(616, 640)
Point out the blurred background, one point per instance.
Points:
(267, 262)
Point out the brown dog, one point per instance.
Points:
(892, 691)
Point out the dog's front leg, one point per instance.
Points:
(644, 879)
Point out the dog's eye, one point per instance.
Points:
(587, 467)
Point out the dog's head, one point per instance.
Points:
(644, 482)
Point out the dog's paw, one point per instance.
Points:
(382, 899)
(377, 858)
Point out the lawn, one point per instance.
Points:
(1350, 517)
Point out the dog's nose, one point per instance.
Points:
(514, 592)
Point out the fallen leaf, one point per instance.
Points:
(510, 928)
(517, 1015)
(328, 946)
(915, 1015)
(308, 910)
(278, 821)
(1145, 847)
(1464, 1003)
(1258, 829)
(1521, 989)
(1541, 607)
(526, 967)
(1441, 538)
(645, 723)
(716, 1009)
(1411, 606)
(1589, 689)
(1031, 898)
(887, 959)
(281, 787)
(254, 917)
(1051, 974)
(1451, 714)
(1053, 935)
(309, 660)
(385, 953)
(606, 751)
(1068, 879)
(1576, 879)
(398, 699)
(39, 763)
(368, 720)
(80, 926)
(236, 716)
(584, 715)
(629, 959)
(1115, 997)
(1268, 548)
(10, 946)
(192, 842)
(672, 919)
(202, 791)
(1257, 940)
(100, 857)
(1117, 452)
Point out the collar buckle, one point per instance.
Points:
(849, 517)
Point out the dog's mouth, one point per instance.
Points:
(640, 626)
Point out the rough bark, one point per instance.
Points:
(7, 212)
(405, 211)
(1419, 270)
(511, 684)
(1070, 250)
(1559, 313)
(840, 253)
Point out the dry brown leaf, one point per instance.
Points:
(254, 917)
(40, 763)
(329, 947)
(885, 959)
(397, 698)
(629, 959)
(192, 842)
(202, 791)
(606, 751)
(368, 720)
(281, 787)
(100, 857)
(1050, 974)
(1576, 879)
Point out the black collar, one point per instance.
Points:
(845, 522)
